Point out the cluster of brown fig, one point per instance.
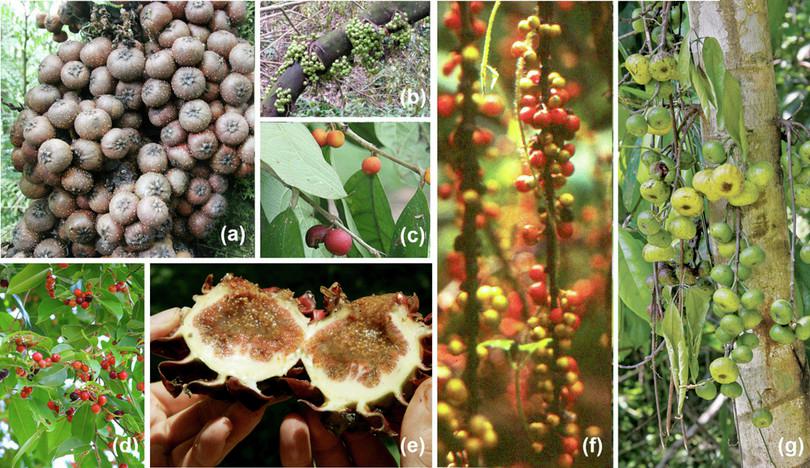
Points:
(127, 145)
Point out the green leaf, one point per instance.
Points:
(634, 333)
(630, 157)
(57, 434)
(21, 420)
(29, 277)
(369, 207)
(366, 131)
(685, 61)
(296, 158)
(26, 446)
(83, 426)
(633, 271)
(534, 346)
(414, 220)
(733, 111)
(702, 88)
(671, 328)
(52, 376)
(715, 68)
(70, 445)
(696, 307)
(111, 303)
(505, 345)
(284, 236)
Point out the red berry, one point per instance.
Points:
(556, 316)
(528, 100)
(76, 365)
(122, 375)
(526, 114)
(77, 292)
(338, 241)
(537, 273)
(558, 116)
(52, 405)
(565, 230)
(482, 137)
(445, 191)
(85, 368)
(541, 119)
(567, 168)
(140, 386)
(572, 123)
(84, 395)
(85, 305)
(524, 183)
(113, 375)
(56, 358)
(537, 159)
(36, 356)
(95, 409)
(538, 292)
(102, 400)
(530, 234)
(446, 105)
(20, 349)
(371, 165)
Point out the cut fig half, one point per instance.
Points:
(255, 345)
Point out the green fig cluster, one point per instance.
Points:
(367, 42)
(399, 29)
(283, 99)
(801, 174)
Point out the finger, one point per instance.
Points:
(367, 450)
(327, 448)
(168, 404)
(163, 323)
(209, 446)
(187, 423)
(417, 425)
(243, 421)
(294, 442)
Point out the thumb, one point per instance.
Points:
(417, 426)
(163, 323)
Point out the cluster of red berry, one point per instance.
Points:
(50, 284)
(81, 298)
(26, 392)
(120, 286)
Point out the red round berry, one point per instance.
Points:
(56, 357)
(371, 165)
(538, 292)
(537, 273)
(123, 375)
(338, 241)
(95, 409)
(84, 395)
(36, 356)
(140, 386)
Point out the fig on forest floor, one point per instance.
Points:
(259, 345)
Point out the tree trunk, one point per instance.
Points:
(775, 378)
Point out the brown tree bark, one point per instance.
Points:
(775, 379)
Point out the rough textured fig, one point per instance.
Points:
(179, 180)
(199, 191)
(61, 203)
(102, 81)
(123, 207)
(225, 161)
(155, 93)
(87, 154)
(214, 66)
(188, 83)
(75, 75)
(50, 70)
(199, 12)
(94, 53)
(55, 155)
(241, 58)
(126, 63)
(50, 248)
(111, 105)
(37, 130)
(232, 129)
(160, 65)
(173, 134)
(62, 113)
(70, 51)
(76, 180)
(154, 17)
(80, 226)
(236, 89)
(92, 124)
(222, 42)
(175, 30)
(115, 144)
(39, 98)
(152, 211)
(38, 217)
(216, 206)
(129, 94)
(152, 158)
(203, 145)
(188, 51)
(153, 184)
(195, 116)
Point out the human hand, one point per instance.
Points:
(304, 439)
(196, 430)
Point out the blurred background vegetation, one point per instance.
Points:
(174, 285)
(22, 48)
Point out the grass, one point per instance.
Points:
(360, 93)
